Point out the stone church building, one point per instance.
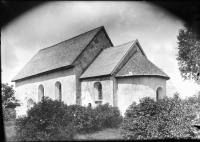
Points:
(89, 70)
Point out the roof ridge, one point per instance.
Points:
(120, 61)
(157, 68)
(89, 43)
(29, 69)
(119, 45)
(139, 56)
(124, 43)
(72, 38)
(141, 48)
(24, 67)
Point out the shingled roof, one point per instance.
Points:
(106, 62)
(57, 56)
(140, 65)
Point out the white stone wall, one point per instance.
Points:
(88, 91)
(28, 88)
(132, 89)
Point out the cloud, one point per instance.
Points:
(8, 54)
(54, 22)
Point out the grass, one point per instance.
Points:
(9, 130)
(106, 134)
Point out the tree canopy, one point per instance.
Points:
(8, 99)
(168, 118)
(189, 53)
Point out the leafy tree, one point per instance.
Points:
(9, 103)
(189, 53)
(47, 120)
(166, 118)
(52, 120)
(89, 119)
(8, 99)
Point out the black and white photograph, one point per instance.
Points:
(100, 70)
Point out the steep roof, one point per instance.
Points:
(107, 61)
(140, 65)
(57, 56)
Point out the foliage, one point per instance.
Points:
(192, 107)
(107, 116)
(94, 119)
(8, 99)
(54, 120)
(83, 120)
(9, 114)
(189, 53)
(9, 103)
(46, 121)
(166, 118)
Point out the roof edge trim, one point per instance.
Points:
(123, 57)
(167, 78)
(105, 75)
(87, 45)
(50, 71)
(24, 66)
(141, 48)
(72, 38)
(107, 36)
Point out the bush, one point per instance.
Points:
(46, 121)
(166, 118)
(93, 119)
(9, 114)
(53, 120)
(83, 118)
(107, 116)
(192, 108)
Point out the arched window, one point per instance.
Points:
(98, 87)
(159, 93)
(100, 92)
(58, 91)
(30, 103)
(40, 92)
(89, 105)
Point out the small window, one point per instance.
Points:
(89, 105)
(98, 91)
(40, 92)
(58, 91)
(159, 93)
(30, 103)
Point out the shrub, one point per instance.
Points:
(53, 120)
(88, 119)
(192, 104)
(107, 116)
(46, 121)
(83, 118)
(7, 96)
(166, 118)
(9, 114)
(192, 108)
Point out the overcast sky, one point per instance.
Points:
(54, 22)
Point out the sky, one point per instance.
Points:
(54, 22)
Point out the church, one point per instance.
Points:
(89, 70)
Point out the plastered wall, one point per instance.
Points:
(26, 89)
(130, 89)
(99, 43)
(89, 91)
